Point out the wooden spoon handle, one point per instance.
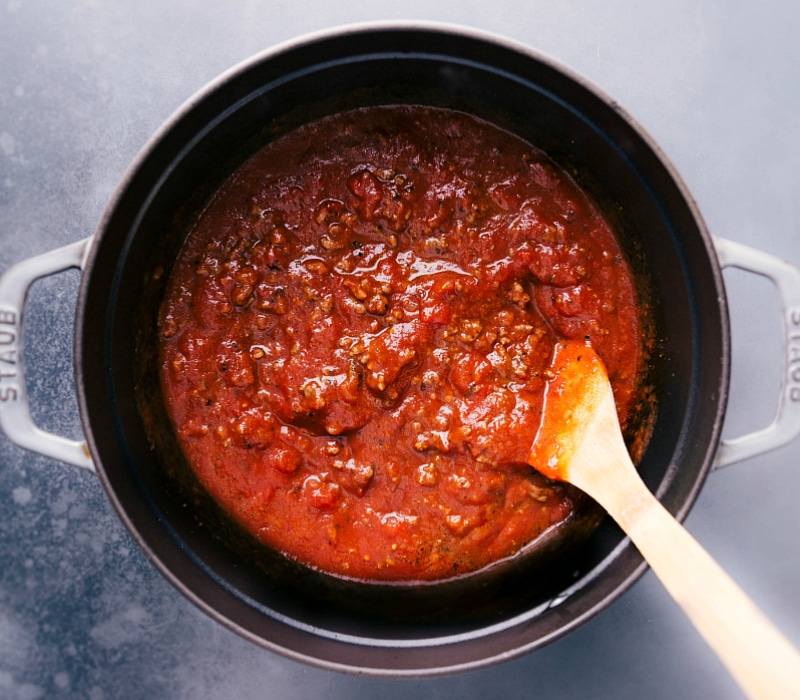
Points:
(579, 441)
(758, 656)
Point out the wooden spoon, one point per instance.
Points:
(580, 442)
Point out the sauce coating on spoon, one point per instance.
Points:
(579, 382)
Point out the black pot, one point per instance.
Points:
(518, 605)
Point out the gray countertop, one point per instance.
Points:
(84, 83)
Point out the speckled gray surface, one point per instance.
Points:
(84, 83)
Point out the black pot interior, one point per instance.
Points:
(421, 629)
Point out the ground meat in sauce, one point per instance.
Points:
(356, 335)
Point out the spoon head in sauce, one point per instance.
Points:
(573, 397)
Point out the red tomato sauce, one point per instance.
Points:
(356, 338)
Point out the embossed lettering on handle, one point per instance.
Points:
(786, 424)
(15, 415)
(9, 332)
(794, 355)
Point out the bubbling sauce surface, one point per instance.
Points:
(356, 337)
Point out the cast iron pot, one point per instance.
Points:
(515, 606)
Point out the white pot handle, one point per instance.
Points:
(786, 424)
(15, 415)
(16, 421)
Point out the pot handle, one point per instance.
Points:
(786, 423)
(15, 415)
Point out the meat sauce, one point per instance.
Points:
(356, 337)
